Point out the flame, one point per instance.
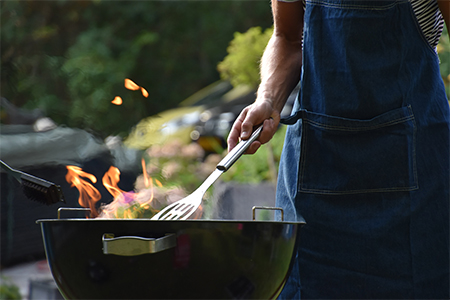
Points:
(144, 173)
(110, 180)
(126, 205)
(152, 194)
(198, 213)
(117, 101)
(89, 195)
(148, 182)
(129, 84)
(144, 92)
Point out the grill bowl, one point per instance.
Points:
(210, 259)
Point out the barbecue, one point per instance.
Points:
(147, 258)
(182, 259)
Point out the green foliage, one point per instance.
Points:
(70, 58)
(96, 74)
(241, 65)
(8, 290)
(262, 165)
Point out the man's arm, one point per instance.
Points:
(282, 60)
(280, 73)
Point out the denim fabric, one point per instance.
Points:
(367, 163)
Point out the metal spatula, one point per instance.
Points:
(184, 208)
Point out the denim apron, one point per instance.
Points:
(366, 159)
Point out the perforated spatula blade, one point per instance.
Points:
(184, 208)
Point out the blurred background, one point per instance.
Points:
(151, 85)
(70, 58)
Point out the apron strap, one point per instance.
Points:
(292, 119)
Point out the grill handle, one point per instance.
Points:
(254, 208)
(135, 245)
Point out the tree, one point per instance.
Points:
(70, 58)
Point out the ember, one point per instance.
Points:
(117, 101)
(129, 84)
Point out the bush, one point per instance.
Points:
(241, 65)
(262, 166)
(8, 290)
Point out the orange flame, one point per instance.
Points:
(144, 92)
(146, 204)
(110, 180)
(198, 213)
(129, 84)
(117, 101)
(144, 173)
(128, 204)
(89, 195)
(148, 182)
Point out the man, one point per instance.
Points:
(366, 160)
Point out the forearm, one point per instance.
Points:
(282, 60)
(280, 70)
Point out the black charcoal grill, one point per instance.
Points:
(190, 259)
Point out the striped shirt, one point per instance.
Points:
(428, 16)
(430, 20)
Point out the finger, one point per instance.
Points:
(235, 132)
(233, 138)
(258, 115)
(246, 129)
(253, 147)
(269, 128)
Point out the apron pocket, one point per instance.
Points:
(348, 156)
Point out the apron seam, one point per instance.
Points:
(365, 191)
(358, 128)
(354, 6)
(414, 141)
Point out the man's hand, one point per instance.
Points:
(280, 72)
(260, 112)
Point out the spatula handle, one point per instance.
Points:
(14, 173)
(237, 151)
